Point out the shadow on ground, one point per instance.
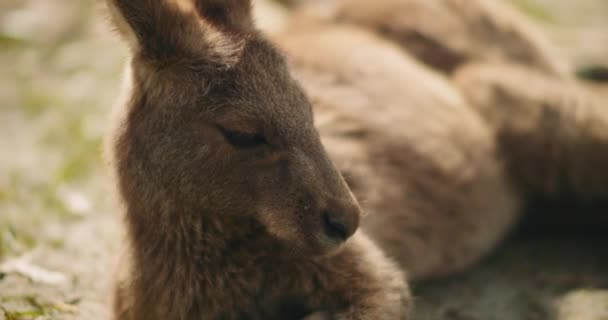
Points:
(531, 277)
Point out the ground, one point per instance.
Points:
(60, 231)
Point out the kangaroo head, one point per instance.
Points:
(217, 128)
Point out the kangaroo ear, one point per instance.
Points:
(231, 16)
(169, 30)
(158, 29)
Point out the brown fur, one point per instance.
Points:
(469, 30)
(422, 163)
(437, 219)
(233, 208)
(551, 132)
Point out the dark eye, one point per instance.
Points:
(243, 140)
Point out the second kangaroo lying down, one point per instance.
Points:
(421, 161)
(234, 209)
(403, 122)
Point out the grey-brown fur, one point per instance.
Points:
(551, 131)
(444, 165)
(470, 30)
(423, 164)
(233, 208)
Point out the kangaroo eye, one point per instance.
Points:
(243, 140)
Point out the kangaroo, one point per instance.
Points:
(549, 130)
(233, 208)
(514, 128)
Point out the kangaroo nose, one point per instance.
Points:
(340, 223)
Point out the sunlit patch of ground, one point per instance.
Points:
(60, 71)
(59, 231)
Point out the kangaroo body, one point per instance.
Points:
(423, 164)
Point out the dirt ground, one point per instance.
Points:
(60, 231)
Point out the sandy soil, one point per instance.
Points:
(59, 229)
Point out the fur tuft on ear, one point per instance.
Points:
(233, 16)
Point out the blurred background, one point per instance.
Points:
(60, 72)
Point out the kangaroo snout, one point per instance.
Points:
(337, 210)
(340, 220)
